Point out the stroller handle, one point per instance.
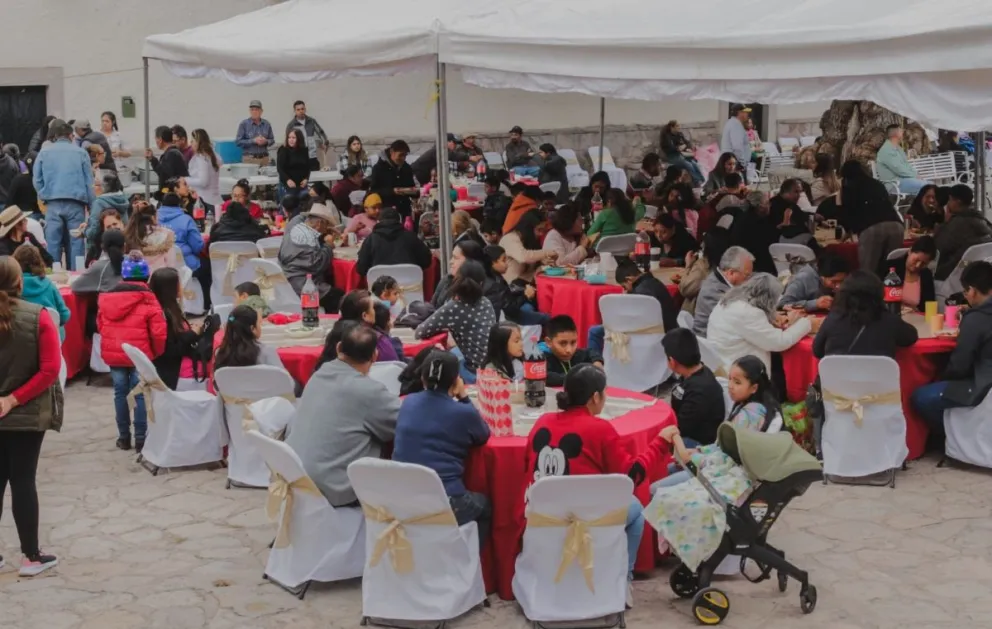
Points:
(682, 457)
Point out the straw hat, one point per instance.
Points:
(9, 218)
(319, 210)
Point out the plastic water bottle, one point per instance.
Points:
(310, 304)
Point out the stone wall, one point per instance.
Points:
(798, 128)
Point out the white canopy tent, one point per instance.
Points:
(926, 60)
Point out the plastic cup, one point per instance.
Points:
(930, 310)
(936, 324)
(950, 317)
(462, 193)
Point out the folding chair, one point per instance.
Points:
(275, 288)
(268, 248)
(634, 358)
(621, 245)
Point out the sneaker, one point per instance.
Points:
(139, 445)
(124, 444)
(33, 566)
(630, 594)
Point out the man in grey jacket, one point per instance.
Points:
(307, 249)
(343, 416)
(736, 266)
(812, 287)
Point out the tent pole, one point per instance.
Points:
(602, 130)
(980, 161)
(148, 139)
(444, 195)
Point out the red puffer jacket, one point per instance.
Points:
(129, 313)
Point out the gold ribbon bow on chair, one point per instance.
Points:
(281, 495)
(247, 417)
(267, 283)
(409, 288)
(394, 539)
(857, 405)
(620, 341)
(233, 262)
(145, 387)
(578, 539)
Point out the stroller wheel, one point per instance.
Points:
(684, 582)
(783, 581)
(710, 606)
(807, 599)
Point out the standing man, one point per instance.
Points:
(181, 141)
(172, 163)
(734, 139)
(64, 181)
(85, 135)
(255, 136)
(519, 154)
(312, 132)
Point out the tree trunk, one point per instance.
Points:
(855, 129)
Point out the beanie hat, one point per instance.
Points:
(373, 200)
(134, 267)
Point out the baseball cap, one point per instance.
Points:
(453, 138)
(737, 108)
(81, 123)
(255, 103)
(517, 129)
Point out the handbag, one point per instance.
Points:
(815, 413)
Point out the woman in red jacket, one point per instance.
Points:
(575, 441)
(129, 313)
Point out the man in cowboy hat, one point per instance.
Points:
(14, 233)
(307, 249)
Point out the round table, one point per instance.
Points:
(577, 299)
(76, 347)
(497, 470)
(918, 365)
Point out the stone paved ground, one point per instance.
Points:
(179, 551)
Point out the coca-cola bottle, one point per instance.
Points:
(893, 292)
(535, 377)
(200, 216)
(596, 204)
(310, 303)
(480, 171)
(642, 252)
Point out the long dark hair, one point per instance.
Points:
(721, 164)
(439, 371)
(10, 280)
(564, 219)
(715, 243)
(580, 385)
(382, 316)
(917, 208)
(113, 119)
(354, 305)
(205, 146)
(164, 283)
(355, 159)
(756, 373)
(239, 347)
(411, 380)
(113, 242)
(473, 250)
(468, 283)
(526, 228)
(599, 177)
(860, 298)
(338, 331)
(141, 223)
(616, 199)
(824, 165)
(497, 353)
(301, 142)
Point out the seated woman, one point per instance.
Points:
(241, 193)
(791, 220)
(38, 289)
(362, 224)
(176, 361)
(359, 305)
(110, 197)
(918, 286)
(352, 180)
(105, 272)
(925, 211)
(492, 287)
(523, 249)
(155, 243)
(354, 156)
(699, 265)
(671, 237)
(745, 322)
(715, 181)
(755, 230)
(592, 445)
(566, 238)
(106, 220)
(825, 181)
(464, 228)
(599, 184)
(467, 317)
(237, 225)
(438, 428)
(240, 346)
(188, 237)
(506, 351)
(678, 151)
(384, 325)
(617, 217)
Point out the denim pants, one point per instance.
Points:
(690, 165)
(299, 192)
(597, 339)
(473, 507)
(929, 402)
(529, 315)
(634, 528)
(911, 186)
(527, 171)
(463, 371)
(125, 379)
(61, 218)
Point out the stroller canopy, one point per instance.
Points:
(765, 457)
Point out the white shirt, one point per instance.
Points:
(740, 329)
(204, 180)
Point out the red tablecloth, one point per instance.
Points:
(849, 251)
(75, 347)
(918, 365)
(577, 299)
(497, 470)
(300, 361)
(347, 279)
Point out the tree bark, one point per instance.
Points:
(855, 129)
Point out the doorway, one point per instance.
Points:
(22, 110)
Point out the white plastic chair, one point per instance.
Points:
(357, 197)
(781, 252)
(621, 245)
(684, 319)
(788, 144)
(770, 148)
(410, 277)
(477, 191)
(570, 599)
(224, 255)
(268, 248)
(222, 311)
(192, 291)
(446, 580)
(618, 178)
(388, 373)
(710, 357)
(647, 366)
(494, 159)
(325, 544)
(551, 186)
(57, 320)
(650, 211)
(969, 433)
(878, 444)
(187, 428)
(897, 254)
(97, 365)
(280, 297)
(952, 284)
(577, 177)
(245, 467)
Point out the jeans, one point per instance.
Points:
(18, 467)
(125, 379)
(929, 402)
(473, 507)
(911, 186)
(688, 164)
(62, 217)
(463, 371)
(527, 171)
(299, 192)
(529, 315)
(675, 470)
(597, 339)
(634, 528)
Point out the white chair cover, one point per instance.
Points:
(222, 311)
(357, 197)
(648, 364)
(684, 319)
(878, 444)
(588, 498)
(650, 211)
(96, 359)
(57, 320)
(780, 253)
(621, 245)
(618, 178)
(279, 294)
(325, 544)
(770, 148)
(268, 248)
(192, 291)
(388, 373)
(952, 284)
(969, 433)
(446, 580)
(245, 465)
(409, 276)
(551, 186)
(187, 428)
(220, 257)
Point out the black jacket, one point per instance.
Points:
(495, 208)
(880, 338)
(928, 290)
(387, 176)
(555, 168)
(292, 165)
(9, 170)
(389, 243)
(22, 193)
(171, 164)
(756, 233)
(558, 369)
(864, 205)
(229, 229)
(177, 347)
(963, 229)
(798, 223)
(969, 370)
(651, 286)
(699, 406)
(682, 243)
(7, 246)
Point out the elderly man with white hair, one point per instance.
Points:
(746, 322)
(736, 266)
(307, 249)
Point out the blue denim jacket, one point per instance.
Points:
(62, 172)
(188, 236)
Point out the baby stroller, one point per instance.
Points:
(780, 470)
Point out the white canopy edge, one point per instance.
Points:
(256, 77)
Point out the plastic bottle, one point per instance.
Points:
(642, 251)
(480, 171)
(596, 203)
(310, 303)
(535, 378)
(408, 224)
(893, 292)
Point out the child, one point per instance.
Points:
(520, 304)
(38, 289)
(180, 335)
(240, 346)
(249, 294)
(387, 290)
(563, 353)
(506, 351)
(548, 204)
(358, 305)
(129, 313)
(492, 232)
(755, 407)
(497, 205)
(697, 397)
(383, 325)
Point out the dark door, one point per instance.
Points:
(760, 121)
(22, 110)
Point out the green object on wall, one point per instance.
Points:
(127, 107)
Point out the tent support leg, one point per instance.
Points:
(982, 167)
(602, 131)
(148, 126)
(444, 196)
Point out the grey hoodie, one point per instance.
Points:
(303, 251)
